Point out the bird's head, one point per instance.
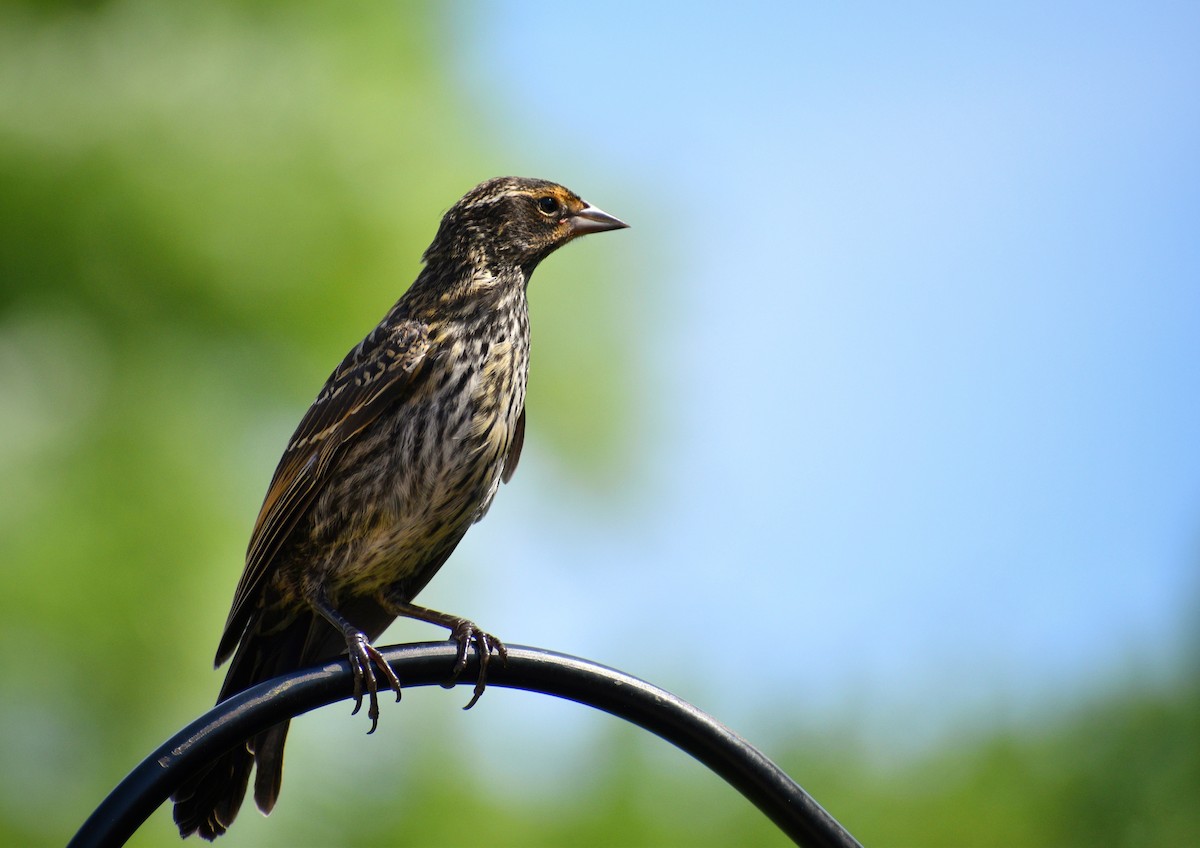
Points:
(516, 222)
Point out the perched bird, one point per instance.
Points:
(403, 449)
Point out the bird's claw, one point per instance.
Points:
(464, 633)
(363, 656)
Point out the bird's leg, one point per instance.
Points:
(362, 656)
(463, 631)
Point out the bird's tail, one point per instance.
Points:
(209, 801)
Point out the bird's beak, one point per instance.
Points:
(589, 219)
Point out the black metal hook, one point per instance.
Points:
(743, 766)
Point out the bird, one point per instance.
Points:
(402, 451)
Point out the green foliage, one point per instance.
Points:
(1122, 770)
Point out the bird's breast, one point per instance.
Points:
(446, 451)
(449, 461)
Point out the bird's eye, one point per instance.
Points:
(547, 205)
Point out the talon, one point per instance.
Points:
(485, 643)
(479, 687)
(462, 635)
(356, 669)
(462, 631)
(363, 656)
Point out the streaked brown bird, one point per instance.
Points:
(403, 449)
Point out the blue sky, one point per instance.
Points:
(919, 394)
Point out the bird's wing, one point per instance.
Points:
(382, 369)
(514, 449)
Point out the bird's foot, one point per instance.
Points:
(465, 632)
(364, 659)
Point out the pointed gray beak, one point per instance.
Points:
(589, 219)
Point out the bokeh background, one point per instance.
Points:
(876, 436)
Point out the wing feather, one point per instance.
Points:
(375, 375)
(514, 449)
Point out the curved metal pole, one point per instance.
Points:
(242, 716)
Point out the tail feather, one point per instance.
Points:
(209, 801)
(268, 758)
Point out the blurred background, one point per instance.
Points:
(875, 437)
